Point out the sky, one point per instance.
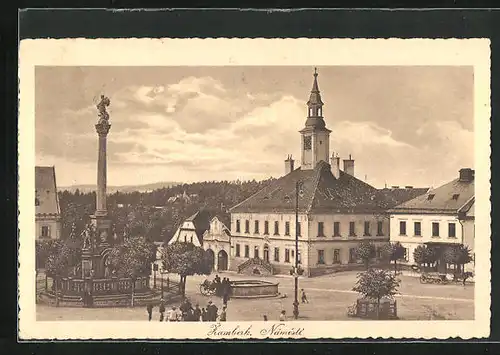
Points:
(402, 125)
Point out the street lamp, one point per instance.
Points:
(296, 270)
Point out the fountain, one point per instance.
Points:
(254, 289)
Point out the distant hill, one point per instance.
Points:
(124, 189)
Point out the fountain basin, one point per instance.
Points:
(254, 289)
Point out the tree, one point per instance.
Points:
(376, 284)
(393, 252)
(457, 255)
(185, 259)
(424, 255)
(365, 251)
(132, 258)
(43, 249)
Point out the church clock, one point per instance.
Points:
(307, 143)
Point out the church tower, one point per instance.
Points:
(315, 140)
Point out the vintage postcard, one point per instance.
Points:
(254, 189)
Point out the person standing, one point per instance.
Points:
(212, 312)
(172, 315)
(223, 315)
(197, 313)
(225, 291)
(162, 310)
(265, 318)
(204, 315)
(304, 297)
(149, 308)
(283, 316)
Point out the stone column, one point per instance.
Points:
(102, 129)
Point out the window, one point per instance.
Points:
(247, 226)
(276, 228)
(247, 251)
(237, 250)
(405, 257)
(45, 232)
(293, 253)
(321, 256)
(455, 196)
(336, 256)
(287, 255)
(185, 238)
(307, 143)
(266, 227)
(256, 227)
(298, 229)
(336, 229)
(352, 229)
(352, 255)
(191, 240)
(37, 202)
(367, 228)
(380, 228)
(276, 254)
(417, 228)
(320, 230)
(402, 227)
(256, 252)
(237, 226)
(435, 229)
(287, 228)
(430, 197)
(451, 230)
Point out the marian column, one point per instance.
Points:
(100, 219)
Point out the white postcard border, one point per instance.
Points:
(217, 52)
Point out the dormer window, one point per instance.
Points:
(455, 196)
(430, 197)
(37, 202)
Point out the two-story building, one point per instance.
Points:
(47, 209)
(217, 242)
(441, 217)
(329, 209)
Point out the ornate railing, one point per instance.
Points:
(70, 286)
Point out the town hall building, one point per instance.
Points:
(335, 210)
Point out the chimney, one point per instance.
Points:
(289, 164)
(349, 166)
(408, 187)
(466, 175)
(335, 165)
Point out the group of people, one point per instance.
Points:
(222, 288)
(187, 313)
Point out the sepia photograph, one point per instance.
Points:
(248, 198)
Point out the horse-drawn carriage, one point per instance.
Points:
(441, 278)
(208, 288)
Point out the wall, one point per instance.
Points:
(53, 223)
(410, 241)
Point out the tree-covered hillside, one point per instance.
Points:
(157, 214)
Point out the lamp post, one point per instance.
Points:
(298, 185)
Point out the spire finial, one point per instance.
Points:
(315, 71)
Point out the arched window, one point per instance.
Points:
(319, 111)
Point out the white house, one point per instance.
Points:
(192, 229)
(441, 217)
(47, 209)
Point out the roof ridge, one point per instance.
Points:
(319, 168)
(259, 191)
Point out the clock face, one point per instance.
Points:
(307, 143)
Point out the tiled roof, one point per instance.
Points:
(448, 198)
(400, 195)
(321, 193)
(46, 191)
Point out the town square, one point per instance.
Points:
(270, 199)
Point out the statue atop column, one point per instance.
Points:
(103, 125)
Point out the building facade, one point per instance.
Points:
(47, 209)
(335, 210)
(443, 216)
(217, 242)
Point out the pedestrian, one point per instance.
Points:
(149, 308)
(179, 315)
(265, 318)
(196, 313)
(212, 311)
(283, 316)
(172, 315)
(162, 310)
(223, 315)
(204, 315)
(225, 291)
(304, 297)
